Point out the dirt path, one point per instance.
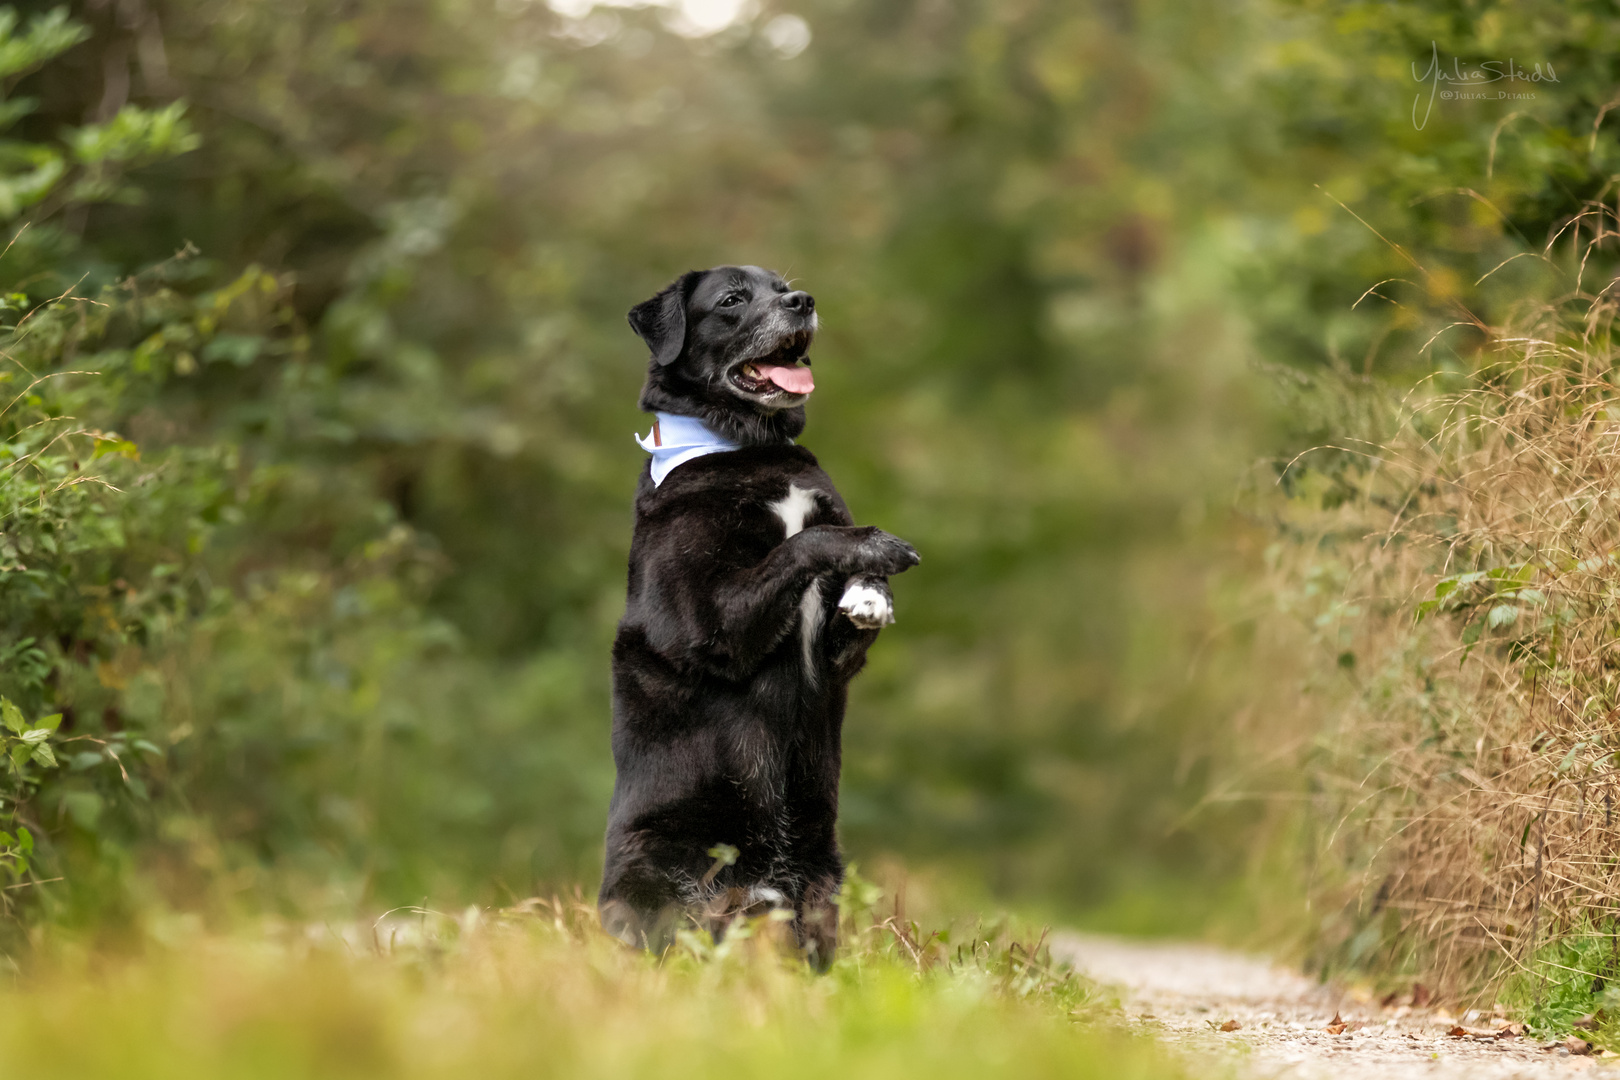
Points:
(1184, 994)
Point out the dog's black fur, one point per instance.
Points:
(732, 662)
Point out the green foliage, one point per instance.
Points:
(328, 552)
(468, 380)
(27, 751)
(46, 37)
(94, 155)
(1564, 988)
(133, 138)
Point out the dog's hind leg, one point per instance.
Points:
(816, 926)
(650, 930)
(639, 904)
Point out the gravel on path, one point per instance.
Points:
(1245, 1013)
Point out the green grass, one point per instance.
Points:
(1568, 980)
(542, 993)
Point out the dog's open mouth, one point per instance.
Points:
(777, 372)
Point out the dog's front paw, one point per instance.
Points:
(884, 553)
(867, 604)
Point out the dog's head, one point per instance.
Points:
(729, 347)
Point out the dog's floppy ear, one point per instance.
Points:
(661, 321)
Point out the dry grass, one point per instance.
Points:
(1462, 585)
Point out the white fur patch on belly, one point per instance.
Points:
(765, 894)
(793, 510)
(810, 617)
(867, 606)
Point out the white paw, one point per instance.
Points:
(867, 607)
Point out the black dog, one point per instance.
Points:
(753, 598)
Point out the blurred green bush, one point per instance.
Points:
(372, 458)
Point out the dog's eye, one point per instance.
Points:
(731, 299)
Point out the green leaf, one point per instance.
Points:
(135, 136)
(1502, 615)
(12, 716)
(47, 36)
(20, 190)
(45, 755)
(35, 736)
(15, 109)
(25, 839)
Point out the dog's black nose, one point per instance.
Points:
(800, 303)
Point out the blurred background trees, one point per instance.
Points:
(352, 276)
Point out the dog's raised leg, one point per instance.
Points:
(748, 612)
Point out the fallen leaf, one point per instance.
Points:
(1336, 1025)
(1231, 1025)
(1510, 1031)
(1578, 1046)
(1457, 1031)
(1589, 1022)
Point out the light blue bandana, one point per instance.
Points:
(675, 440)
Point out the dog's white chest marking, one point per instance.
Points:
(799, 504)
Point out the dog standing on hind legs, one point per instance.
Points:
(753, 597)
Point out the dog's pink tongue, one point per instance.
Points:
(795, 380)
